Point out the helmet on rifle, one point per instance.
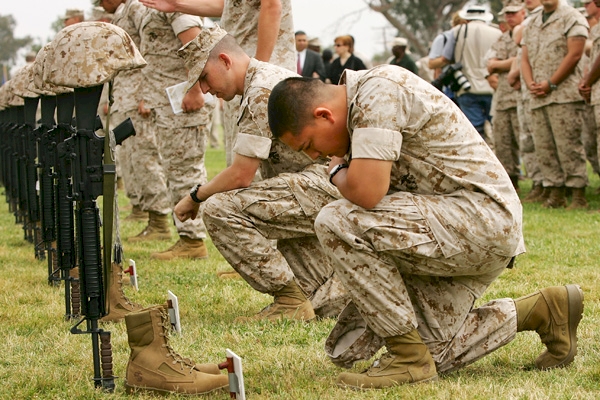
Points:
(21, 80)
(90, 54)
(38, 84)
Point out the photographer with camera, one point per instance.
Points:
(467, 47)
(506, 121)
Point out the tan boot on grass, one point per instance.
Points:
(119, 304)
(289, 303)
(407, 361)
(153, 364)
(185, 247)
(535, 193)
(157, 229)
(554, 313)
(556, 198)
(229, 274)
(578, 200)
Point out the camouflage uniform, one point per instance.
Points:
(145, 182)
(505, 122)
(449, 225)
(181, 139)
(557, 117)
(595, 101)
(240, 20)
(242, 223)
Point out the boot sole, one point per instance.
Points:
(129, 389)
(347, 386)
(575, 298)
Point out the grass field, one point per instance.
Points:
(41, 359)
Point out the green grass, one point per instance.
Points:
(41, 359)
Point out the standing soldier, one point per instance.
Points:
(181, 138)
(552, 44)
(506, 128)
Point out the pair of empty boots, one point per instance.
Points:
(155, 367)
(554, 313)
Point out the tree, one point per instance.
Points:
(421, 20)
(9, 44)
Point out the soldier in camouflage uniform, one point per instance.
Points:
(506, 121)
(428, 221)
(589, 88)
(243, 218)
(181, 138)
(552, 45)
(145, 182)
(242, 19)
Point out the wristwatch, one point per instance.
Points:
(552, 86)
(335, 170)
(193, 193)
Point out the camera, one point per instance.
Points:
(452, 77)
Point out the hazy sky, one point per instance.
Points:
(323, 18)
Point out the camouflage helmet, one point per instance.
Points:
(3, 99)
(90, 54)
(11, 98)
(21, 82)
(38, 84)
(351, 339)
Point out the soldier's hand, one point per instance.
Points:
(193, 99)
(160, 5)
(142, 110)
(186, 209)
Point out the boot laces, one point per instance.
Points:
(122, 292)
(165, 325)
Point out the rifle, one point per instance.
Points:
(65, 223)
(47, 166)
(32, 198)
(88, 177)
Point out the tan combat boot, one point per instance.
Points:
(289, 302)
(153, 364)
(137, 214)
(119, 304)
(554, 313)
(407, 361)
(556, 198)
(578, 201)
(534, 194)
(157, 229)
(185, 247)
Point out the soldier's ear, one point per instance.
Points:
(226, 60)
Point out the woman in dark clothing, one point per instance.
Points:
(345, 60)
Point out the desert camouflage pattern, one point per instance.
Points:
(240, 19)
(448, 227)
(126, 86)
(526, 146)
(557, 130)
(547, 47)
(21, 80)
(351, 339)
(90, 54)
(505, 95)
(159, 45)
(254, 138)
(195, 53)
(38, 84)
(3, 97)
(594, 53)
(243, 223)
(12, 100)
(506, 139)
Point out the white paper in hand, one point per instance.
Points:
(176, 94)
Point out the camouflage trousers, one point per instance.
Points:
(597, 120)
(147, 175)
(557, 139)
(243, 224)
(506, 140)
(528, 157)
(390, 262)
(124, 153)
(589, 137)
(181, 152)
